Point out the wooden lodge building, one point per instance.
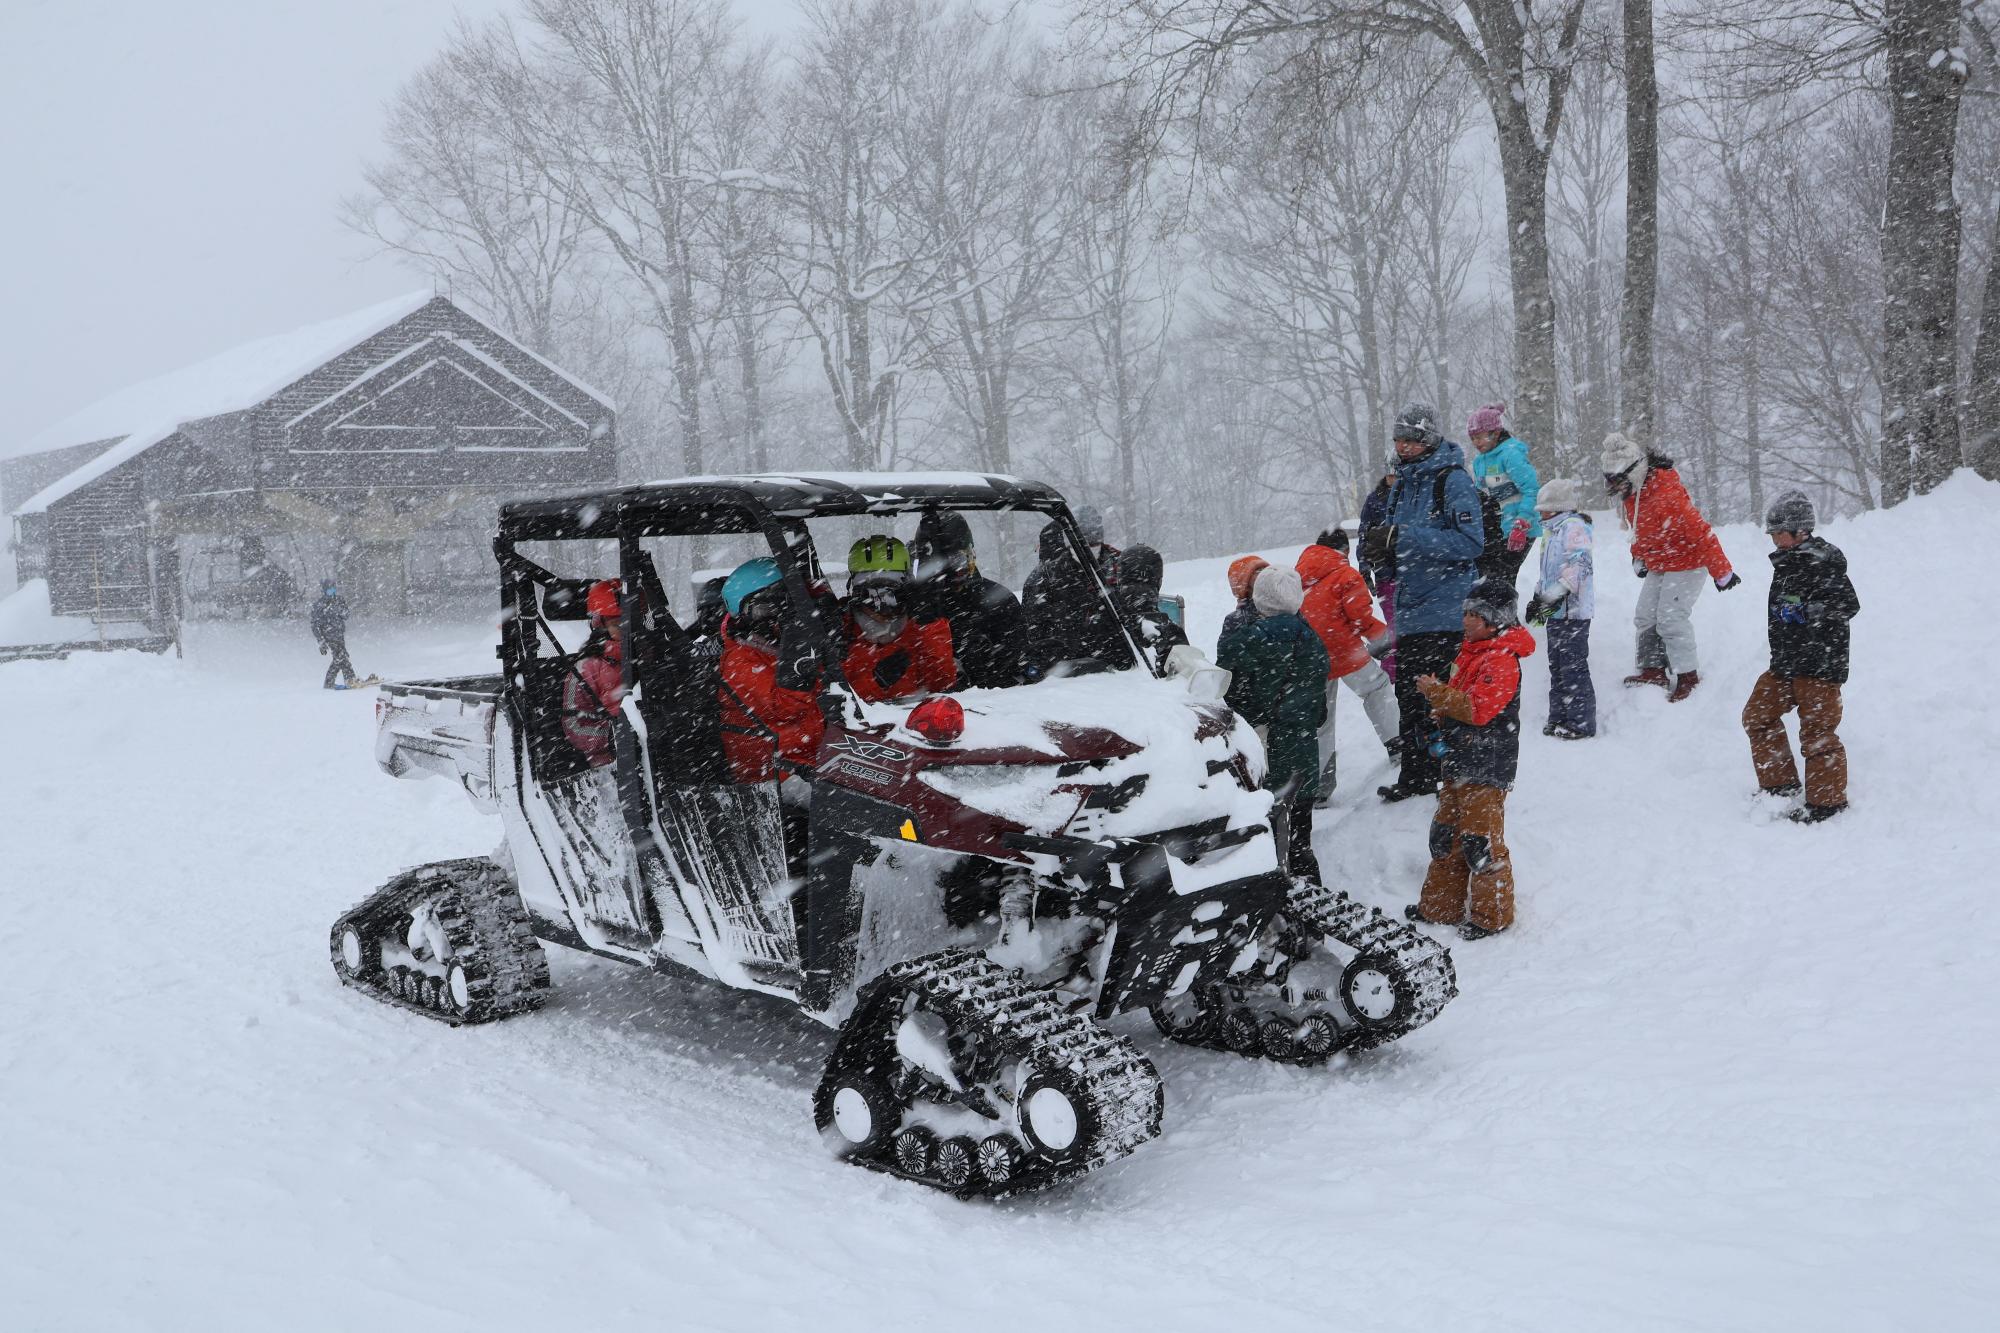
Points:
(372, 448)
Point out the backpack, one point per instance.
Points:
(1494, 559)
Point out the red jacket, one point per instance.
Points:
(750, 680)
(1668, 533)
(591, 694)
(1339, 608)
(926, 662)
(1488, 674)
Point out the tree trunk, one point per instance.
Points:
(1636, 392)
(751, 382)
(1524, 172)
(1982, 410)
(1753, 367)
(1920, 240)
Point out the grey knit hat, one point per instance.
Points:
(1790, 512)
(1417, 421)
(1492, 602)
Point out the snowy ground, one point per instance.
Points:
(1726, 1073)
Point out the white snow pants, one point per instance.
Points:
(1664, 618)
(1371, 685)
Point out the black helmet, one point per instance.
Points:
(1141, 567)
(1493, 602)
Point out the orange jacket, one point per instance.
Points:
(750, 680)
(1668, 533)
(1339, 608)
(926, 662)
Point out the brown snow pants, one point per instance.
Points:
(1818, 702)
(1469, 861)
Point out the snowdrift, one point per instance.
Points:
(1726, 1073)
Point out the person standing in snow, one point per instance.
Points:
(1435, 536)
(1564, 602)
(329, 628)
(1810, 604)
(1471, 878)
(594, 686)
(1674, 551)
(1502, 470)
(1277, 682)
(1242, 575)
(1338, 608)
(985, 618)
(1375, 560)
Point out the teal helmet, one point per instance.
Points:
(752, 576)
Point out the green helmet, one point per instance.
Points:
(878, 554)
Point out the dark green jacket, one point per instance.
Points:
(1278, 672)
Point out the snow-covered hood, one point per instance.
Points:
(1034, 755)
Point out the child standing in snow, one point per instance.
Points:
(1502, 470)
(1564, 603)
(1811, 602)
(1478, 716)
(1278, 684)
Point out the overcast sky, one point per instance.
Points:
(171, 171)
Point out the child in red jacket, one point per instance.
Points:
(1341, 612)
(1478, 719)
(890, 654)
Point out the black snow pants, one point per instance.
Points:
(339, 666)
(1421, 655)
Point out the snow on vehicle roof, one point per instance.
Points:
(791, 495)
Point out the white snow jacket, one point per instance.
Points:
(1566, 575)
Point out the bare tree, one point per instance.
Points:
(1637, 392)
(1519, 55)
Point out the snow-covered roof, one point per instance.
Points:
(141, 415)
(230, 381)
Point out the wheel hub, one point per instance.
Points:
(852, 1116)
(1052, 1118)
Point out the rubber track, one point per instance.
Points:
(483, 920)
(1426, 963)
(1120, 1086)
(1314, 912)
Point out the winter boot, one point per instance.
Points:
(1397, 791)
(1414, 913)
(1473, 931)
(1563, 733)
(1684, 686)
(1784, 791)
(1650, 676)
(1813, 814)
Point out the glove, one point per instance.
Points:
(1380, 646)
(1517, 540)
(322, 650)
(1638, 566)
(1792, 613)
(1542, 609)
(1724, 585)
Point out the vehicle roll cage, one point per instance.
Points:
(777, 506)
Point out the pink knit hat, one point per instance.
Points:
(1485, 418)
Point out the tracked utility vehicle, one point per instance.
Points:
(984, 881)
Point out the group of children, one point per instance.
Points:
(1297, 634)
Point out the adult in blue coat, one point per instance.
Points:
(1436, 535)
(1500, 467)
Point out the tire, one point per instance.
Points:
(1239, 1031)
(999, 1160)
(1180, 1018)
(1319, 1037)
(956, 1162)
(915, 1148)
(1375, 991)
(354, 954)
(1279, 1038)
(1056, 1120)
(857, 1113)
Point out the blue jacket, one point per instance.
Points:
(1505, 473)
(1435, 547)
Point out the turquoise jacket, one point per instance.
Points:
(1505, 473)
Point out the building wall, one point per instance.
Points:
(97, 550)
